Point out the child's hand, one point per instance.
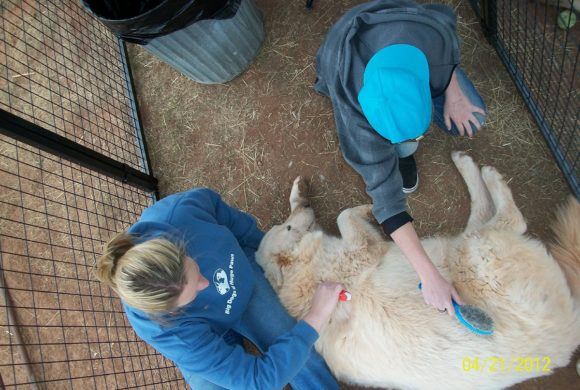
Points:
(459, 110)
(438, 293)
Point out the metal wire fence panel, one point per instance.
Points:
(60, 328)
(64, 71)
(539, 44)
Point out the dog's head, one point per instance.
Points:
(278, 248)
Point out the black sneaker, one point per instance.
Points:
(408, 169)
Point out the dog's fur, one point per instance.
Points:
(386, 336)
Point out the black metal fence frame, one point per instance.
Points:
(99, 189)
(32, 134)
(487, 11)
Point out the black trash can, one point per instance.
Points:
(209, 41)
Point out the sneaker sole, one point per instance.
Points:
(412, 189)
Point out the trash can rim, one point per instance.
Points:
(132, 18)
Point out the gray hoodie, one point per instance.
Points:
(340, 64)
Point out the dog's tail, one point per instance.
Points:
(566, 248)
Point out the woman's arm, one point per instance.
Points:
(437, 291)
(208, 356)
(208, 205)
(197, 350)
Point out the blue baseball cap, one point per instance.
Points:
(395, 97)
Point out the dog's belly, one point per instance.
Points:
(392, 338)
(428, 354)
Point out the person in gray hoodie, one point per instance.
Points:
(389, 66)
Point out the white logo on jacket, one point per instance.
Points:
(220, 279)
(232, 297)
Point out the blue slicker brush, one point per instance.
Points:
(473, 318)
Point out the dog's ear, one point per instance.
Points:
(274, 276)
(274, 272)
(283, 259)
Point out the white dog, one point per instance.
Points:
(386, 336)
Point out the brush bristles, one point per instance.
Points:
(477, 318)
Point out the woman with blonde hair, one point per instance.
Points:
(191, 289)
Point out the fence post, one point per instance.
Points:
(488, 14)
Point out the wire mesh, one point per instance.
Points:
(63, 70)
(539, 44)
(59, 328)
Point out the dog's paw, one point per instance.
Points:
(358, 212)
(490, 175)
(365, 211)
(461, 159)
(299, 193)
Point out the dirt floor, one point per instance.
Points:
(250, 138)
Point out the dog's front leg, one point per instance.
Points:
(359, 231)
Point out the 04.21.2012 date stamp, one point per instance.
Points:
(499, 364)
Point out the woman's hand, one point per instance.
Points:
(459, 109)
(323, 304)
(438, 292)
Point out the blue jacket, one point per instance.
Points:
(220, 239)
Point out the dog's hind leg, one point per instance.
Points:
(507, 214)
(482, 208)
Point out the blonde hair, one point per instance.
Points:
(148, 276)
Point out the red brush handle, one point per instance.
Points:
(344, 296)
